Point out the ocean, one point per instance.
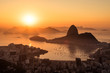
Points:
(55, 51)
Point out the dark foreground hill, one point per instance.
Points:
(7, 67)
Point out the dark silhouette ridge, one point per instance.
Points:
(75, 38)
(72, 31)
(87, 37)
(72, 37)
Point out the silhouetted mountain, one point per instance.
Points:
(72, 31)
(49, 30)
(71, 37)
(87, 37)
(75, 38)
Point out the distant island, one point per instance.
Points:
(38, 38)
(72, 37)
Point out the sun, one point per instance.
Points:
(29, 19)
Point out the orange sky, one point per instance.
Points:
(88, 13)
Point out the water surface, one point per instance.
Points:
(55, 51)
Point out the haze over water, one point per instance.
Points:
(56, 51)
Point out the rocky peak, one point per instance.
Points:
(87, 37)
(72, 31)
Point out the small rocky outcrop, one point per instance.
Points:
(38, 38)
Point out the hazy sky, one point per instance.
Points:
(88, 13)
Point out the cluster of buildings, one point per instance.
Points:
(18, 53)
(24, 56)
(103, 52)
(77, 66)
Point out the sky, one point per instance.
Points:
(88, 13)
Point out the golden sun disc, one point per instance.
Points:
(29, 20)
